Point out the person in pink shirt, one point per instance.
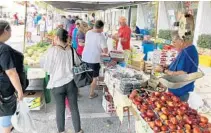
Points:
(72, 27)
(83, 28)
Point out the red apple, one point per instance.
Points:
(165, 110)
(145, 106)
(163, 117)
(151, 124)
(189, 121)
(170, 103)
(172, 127)
(142, 110)
(203, 125)
(157, 94)
(175, 98)
(153, 99)
(150, 113)
(188, 131)
(203, 119)
(196, 130)
(179, 117)
(167, 122)
(164, 128)
(180, 131)
(156, 129)
(169, 94)
(143, 115)
(179, 126)
(147, 119)
(180, 112)
(174, 120)
(164, 98)
(187, 127)
(158, 123)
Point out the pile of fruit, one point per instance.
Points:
(33, 53)
(165, 113)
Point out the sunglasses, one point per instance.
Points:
(5, 28)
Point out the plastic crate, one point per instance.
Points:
(205, 60)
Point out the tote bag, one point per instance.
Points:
(82, 74)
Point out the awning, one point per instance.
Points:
(89, 5)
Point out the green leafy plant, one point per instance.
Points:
(204, 41)
(165, 34)
(152, 32)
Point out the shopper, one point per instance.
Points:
(86, 19)
(91, 21)
(83, 28)
(74, 35)
(64, 21)
(95, 45)
(29, 29)
(186, 62)
(43, 28)
(11, 70)
(58, 63)
(124, 34)
(38, 19)
(71, 28)
(16, 19)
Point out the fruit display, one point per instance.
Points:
(33, 53)
(166, 113)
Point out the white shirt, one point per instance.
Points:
(58, 64)
(94, 44)
(43, 25)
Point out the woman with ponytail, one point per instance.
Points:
(58, 63)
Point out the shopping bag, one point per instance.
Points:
(119, 46)
(22, 121)
(195, 101)
(82, 74)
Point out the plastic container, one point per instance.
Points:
(205, 60)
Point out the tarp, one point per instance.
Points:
(89, 5)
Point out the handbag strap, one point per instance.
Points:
(73, 61)
(193, 61)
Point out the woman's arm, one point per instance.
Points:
(81, 42)
(15, 80)
(168, 72)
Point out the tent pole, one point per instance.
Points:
(156, 18)
(25, 23)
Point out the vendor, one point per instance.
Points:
(124, 34)
(186, 62)
(148, 46)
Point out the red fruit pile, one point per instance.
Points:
(164, 112)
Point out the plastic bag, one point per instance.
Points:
(22, 121)
(195, 101)
(119, 46)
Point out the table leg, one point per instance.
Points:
(128, 111)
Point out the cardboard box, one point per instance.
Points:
(34, 99)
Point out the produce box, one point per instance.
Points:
(138, 64)
(34, 99)
(205, 60)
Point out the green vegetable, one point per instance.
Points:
(204, 41)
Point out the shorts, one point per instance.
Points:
(96, 69)
(5, 121)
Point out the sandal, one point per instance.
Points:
(93, 96)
